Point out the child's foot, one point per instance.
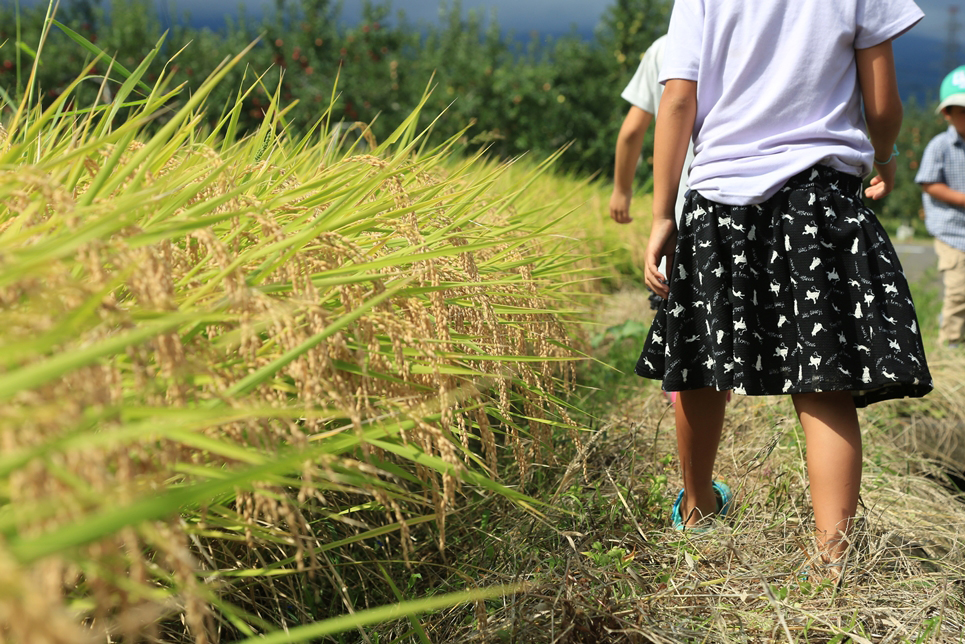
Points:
(724, 500)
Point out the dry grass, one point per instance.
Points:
(644, 582)
(604, 566)
(936, 430)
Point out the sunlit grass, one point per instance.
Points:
(228, 362)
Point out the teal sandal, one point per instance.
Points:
(724, 500)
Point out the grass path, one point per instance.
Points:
(605, 567)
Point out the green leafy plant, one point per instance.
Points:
(602, 557)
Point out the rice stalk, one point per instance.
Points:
(225, 357)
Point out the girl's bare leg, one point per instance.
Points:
(833, 437)
(700, 420)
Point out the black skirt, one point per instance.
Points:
(802, 293)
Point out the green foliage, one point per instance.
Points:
(524, 97)
(932, 626)
(629, 26)
(616, 557)
(903, 205)
(610, 377)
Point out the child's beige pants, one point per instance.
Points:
(951, 263)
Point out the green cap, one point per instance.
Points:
(953, 89)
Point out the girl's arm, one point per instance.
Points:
(675, 126)
(882, 110)
(629, 145)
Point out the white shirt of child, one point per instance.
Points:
(777, 88)
(644, 91)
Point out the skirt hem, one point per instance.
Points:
(863, 393)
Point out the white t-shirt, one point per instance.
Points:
(777, 88)
(644, 91)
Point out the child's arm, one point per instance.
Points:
(943, 192)
(882, 110)
(675, 126)
(629, 145)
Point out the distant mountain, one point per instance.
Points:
(920, 64)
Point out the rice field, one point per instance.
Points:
(291, 387)
(230, 362)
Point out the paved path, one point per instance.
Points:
(920, 262)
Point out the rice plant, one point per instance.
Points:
(229, 364)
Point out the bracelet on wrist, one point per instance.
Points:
(894, 153)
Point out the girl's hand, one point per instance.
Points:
(620, 207)
(663, 242)
(882, 183)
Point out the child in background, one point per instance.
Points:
(643, 93)
(942, 180)
(782, 280)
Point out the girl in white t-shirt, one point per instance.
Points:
(783, 281)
